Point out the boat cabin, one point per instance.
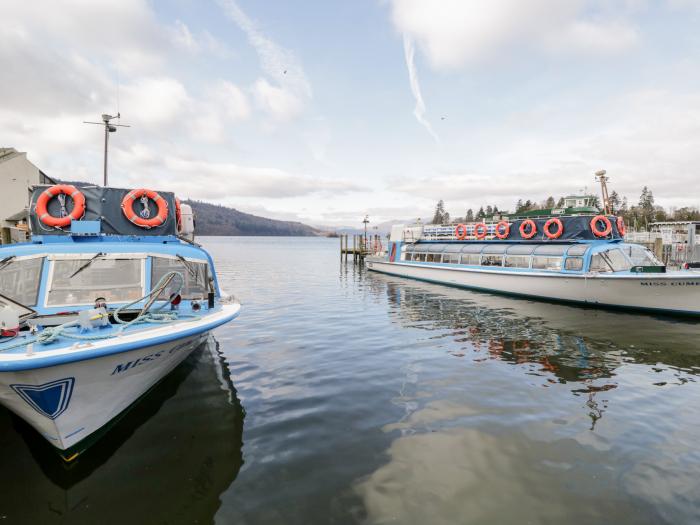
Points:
(599, 257)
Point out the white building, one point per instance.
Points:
(17, 176)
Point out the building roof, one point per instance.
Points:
(8, 153)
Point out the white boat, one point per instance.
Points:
(91, 321)
(582, 266)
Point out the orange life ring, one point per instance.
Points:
(480, 230)
(506, 230)
(461, 232)
(556, 234)
(621, 228)
(42, 204)
(533, 229)
(145, 222)
(178, 214)
(594, 226)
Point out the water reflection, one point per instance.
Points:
(166, 461)
(568, 414)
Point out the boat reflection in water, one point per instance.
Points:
(166, 461)
(570, 414)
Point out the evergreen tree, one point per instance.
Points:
(549, 203)
(495, 210)
(527, 205)
(560, 202)
(480, 214)
(470, 216)
(614, 202)
(646, 205)
(439, 212)
(519, 206)
(489, 211)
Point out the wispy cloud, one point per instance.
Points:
(279, 64)
(419, 110)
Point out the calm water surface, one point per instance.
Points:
(342, 396)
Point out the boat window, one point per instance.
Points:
(431, 257)
(471, 258)
(117, 280)
(618, 261)
(521, 249)
(640, 256)
(473, 248)
(408, 256)
(195, 275)
(450, 258)
(542, 262)
(495, 248)
(419, 257)
(550, 249)
(517, 261)
(577, 249)
(600, 264)
(574, 263)
(421, 248)
(451, 248)
(492, 260)
(19, 279)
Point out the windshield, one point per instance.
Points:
(610, 261)
(640, 256)
(117, 280)
(20, 278)
(194, 273)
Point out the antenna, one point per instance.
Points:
(601, 177)
(109, 128)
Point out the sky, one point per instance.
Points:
(323, 110)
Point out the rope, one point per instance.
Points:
(148, 315)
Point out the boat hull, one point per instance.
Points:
(68, 403)
(668, 293)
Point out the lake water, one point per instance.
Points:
(345, 396)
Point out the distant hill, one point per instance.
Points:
(212, 219)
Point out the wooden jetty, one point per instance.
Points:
(361, 246)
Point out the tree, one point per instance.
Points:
(549, 203)
(439, 212)
(489, 211)
(646, 205)
(470, 216)
(527, 205)
(480, 214)
(446, 218)
(519, 206)
(560, 202)
(614, 202)
(495, 210)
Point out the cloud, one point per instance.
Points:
(453, 33)
(291, 88)
(419, 110)
(219, 181)
(279, 103)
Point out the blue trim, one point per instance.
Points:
(687, 313)
(49, 399)
(74, 432)
(44, 362)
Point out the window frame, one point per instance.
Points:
(42, 267)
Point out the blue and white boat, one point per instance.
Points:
(576, 259)
(94, 312)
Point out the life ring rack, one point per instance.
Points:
(42, 205)
(141, 220)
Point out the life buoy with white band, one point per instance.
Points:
(480, 230)
(42, 204)
(143, 219)
(621, 228)
(502, 230)
(461, 232)
(553, 234)
(532, 229)
(606, 223)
